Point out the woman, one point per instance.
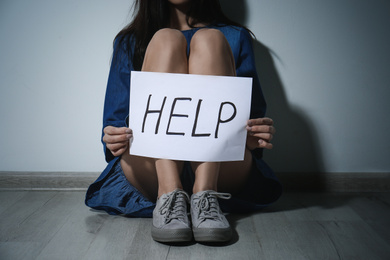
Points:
(194, 37)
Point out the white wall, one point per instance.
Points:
(323, 66)
(55, 56)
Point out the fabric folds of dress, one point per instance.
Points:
(114, 194)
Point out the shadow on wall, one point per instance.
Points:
(296, 145)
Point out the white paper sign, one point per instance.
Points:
(189, 117)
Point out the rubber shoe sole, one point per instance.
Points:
(171, 235)
(212, 234)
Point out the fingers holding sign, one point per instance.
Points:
(260, 133)
(117, 139)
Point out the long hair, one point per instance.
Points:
(153, 15)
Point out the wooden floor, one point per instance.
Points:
(57, 225)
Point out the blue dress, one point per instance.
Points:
(114, 194)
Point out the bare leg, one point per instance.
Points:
(210, 54)
(166, 52)
(233, 175)
(206, 176)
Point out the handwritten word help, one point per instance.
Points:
(173, 113)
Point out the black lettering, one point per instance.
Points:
(227, 120)
(147, 111)
(196, 121)
(176, 115)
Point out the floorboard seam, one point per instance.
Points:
(308, 181)
(330, 238)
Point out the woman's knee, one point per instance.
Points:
(168, 40)
(166, 52)
(210, 54)
(210, 39)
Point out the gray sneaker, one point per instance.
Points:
(170, 218)
(208, 222)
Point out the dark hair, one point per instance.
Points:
(153, 15)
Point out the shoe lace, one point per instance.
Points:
(174, 206)
(208, 207)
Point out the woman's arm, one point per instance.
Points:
(260, 129)
(116, 105)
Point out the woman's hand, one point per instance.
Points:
(117, 139)
(260, 133)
